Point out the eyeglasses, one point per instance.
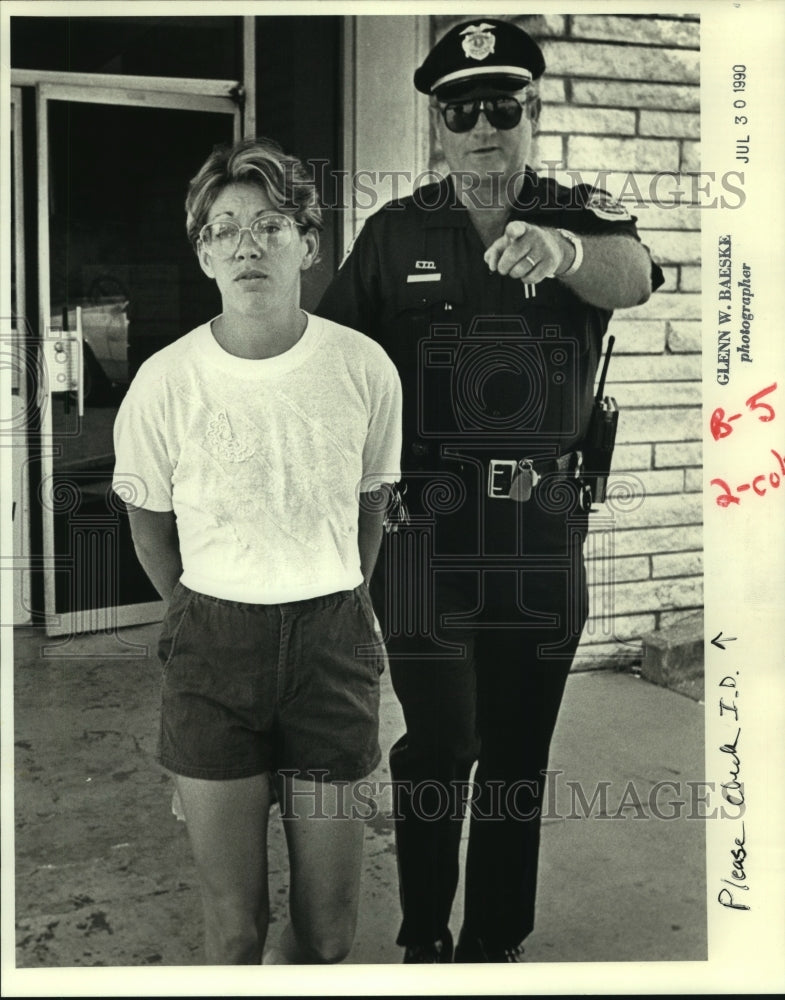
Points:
(269, 232)
(501, 112)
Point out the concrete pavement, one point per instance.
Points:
(103, 870)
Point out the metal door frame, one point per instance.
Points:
(19, 401)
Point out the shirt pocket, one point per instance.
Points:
(562, 361)
(552, 310)
(426, 327)
(428, 296)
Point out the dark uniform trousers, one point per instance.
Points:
(486, 688)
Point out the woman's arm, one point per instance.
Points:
(157, 547)
(369, 534)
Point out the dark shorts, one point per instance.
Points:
(251, 688)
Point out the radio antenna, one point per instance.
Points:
(601, 389)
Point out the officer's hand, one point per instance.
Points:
(527, 252)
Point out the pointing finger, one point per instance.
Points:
(514, 230)
(494, 252)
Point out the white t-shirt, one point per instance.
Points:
(262, 461)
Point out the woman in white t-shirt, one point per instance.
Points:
(259, 447)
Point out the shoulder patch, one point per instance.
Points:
(605, 207)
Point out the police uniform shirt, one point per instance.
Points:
(483, 358)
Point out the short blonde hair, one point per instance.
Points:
(283, 178)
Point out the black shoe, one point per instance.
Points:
(436, 951)
(473, 949)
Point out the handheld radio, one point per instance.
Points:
(601, 436)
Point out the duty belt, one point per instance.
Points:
(514, 479)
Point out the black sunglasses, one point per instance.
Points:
(501, 112)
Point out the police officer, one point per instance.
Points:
(491, 291)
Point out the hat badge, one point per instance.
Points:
(478, 41)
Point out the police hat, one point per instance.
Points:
(484, 51)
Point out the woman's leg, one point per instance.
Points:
(227, 826)
(325, 858)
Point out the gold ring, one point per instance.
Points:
(532, 262)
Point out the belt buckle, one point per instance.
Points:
(501, 472)
(511, 480)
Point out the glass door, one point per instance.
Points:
(118, 280)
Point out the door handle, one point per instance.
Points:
(64, 357)
(79, 347)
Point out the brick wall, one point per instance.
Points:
(621, 94)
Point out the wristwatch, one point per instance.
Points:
(577, 245)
